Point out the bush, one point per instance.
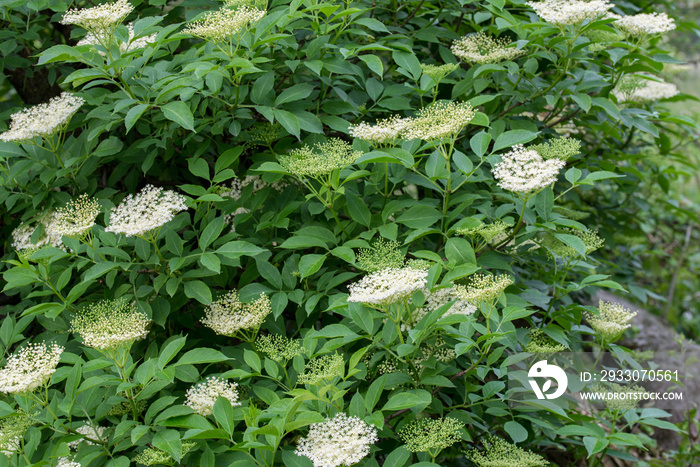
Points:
(318, 233)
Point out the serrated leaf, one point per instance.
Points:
(513, 137)
(180, 113)
(310, 264)
(199, 291)
(374, 63)
(294, 93)
(288, 121)
(169, 441)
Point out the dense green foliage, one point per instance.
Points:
(281, 101)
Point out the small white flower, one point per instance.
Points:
(439, 121)
(385, 131)
(644, 24)
(222, 25)
(570, 12)
(437, 299)
(340, 441)
(202, 396)
(75, 219)
(100, 19)
(110, 323)
(524, 170)
(387, 286)
(131, 44)
(67, 462)
(483, 287)
(146, 211)
(42, 120)
(648, 91)
(610, 322)
(228, 315)
(95, 433)
(480, 48)
(29, 367)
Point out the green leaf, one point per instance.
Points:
(211, 232)
(516, 431)
(594, 445)
(180, 113)
(294, 93)
(98, 270)
(409, 62)
(253, 360)
(583, 100)
(459, 251)
(169, 441)
(419, 216)
(236, 249)
(198, 167)
(513, 137)
(270, 273)
(374, 63)
(223, 413)
(288, 121)
(397, 458)
(199, 291)
(133, 115)
(358, 210)
(544, 203)
(573, 241)
(211, 262)
(169, 351)
(202, 355)
(310, 264)
(416, 399)
(262, 88)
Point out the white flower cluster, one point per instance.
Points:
(131, 44)
(563, 13)
(524, 170)
(340, 441)
(228, 315)
(612, 319)
(439, 121)
(481, 48)
(483, 287)
(385, 131)
(74, 220)
(100, 19)
(67, 462)
(202, 396)
(222, 25)
(321, 159)
(321, 370)
(95, 433)
(391, 285)
(12, 429)
(11, 445)
(436, 299)
(110, 324)
(29, 368)
(22, 238)
(148, 210)
(43, 119)
(238, 184)
(438, 72)
(649, 91)
(644, 24)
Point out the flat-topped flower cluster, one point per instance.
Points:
(42, 120)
